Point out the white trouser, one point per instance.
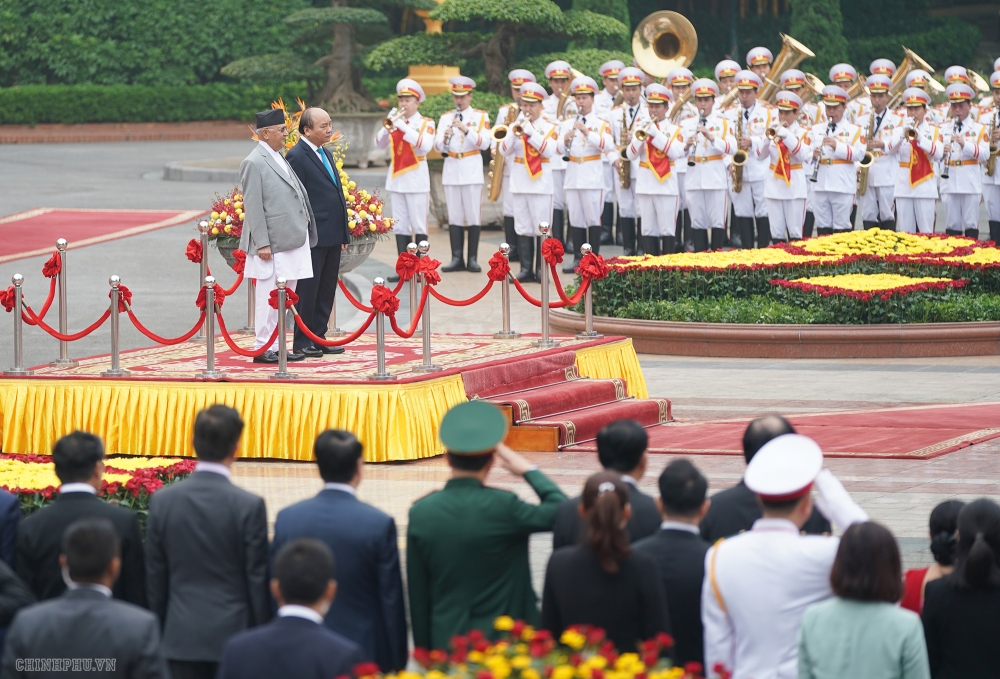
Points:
(750, 201)
(530, 210)
(786, 217)
(833, 210)
(585, 207)
(409, 212)
(626, 200)
(610, 182)
(681, 192)
(558, 192)
(991, 196)
(464, 201)
(961, 210)
(659, 214)
(266, 318)
(507, 197)
(915, 215)
(876, 204)
(707, 207)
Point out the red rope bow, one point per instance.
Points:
(429, 269)
(552, 250)
(384, 301)
(592, 267)
(52, 267)
(124, 298)
(499, 267)
(7, 299)
(290, 298)
(193, 251)
(241, 261)
(407, 265)
(220, 297)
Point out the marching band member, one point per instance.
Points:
(585, 140)
(725, 75)
(625, 119)
(882, 67)
(990, 119)
(952, 75)
(844, 75)
(603, 103)
(785, 186)
(708, 139)
(966, 146)
(529, 155)
(679, 81)
(876, 203)
(987, 102)
(836, 147)
(557, 74)
(751, 118)
(920, 79)
(517, 77)
(408, 182)
(461, 137)
(810, 114)
(656, 183)
(759, 60)
(610, 75)
(916, 190)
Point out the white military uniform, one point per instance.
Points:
(786, 202)
(409, 188)
(750, 202)
(505, 193)
(837, 181)
(635, 117)
(532, 195)
(962, 190)
(584, 181)
(658, 196)
(876, 204)
(556, 163)
(604, 101)
(706, 181)
(462, 175)
(687, 112)
(915, 204)
(858, 110)
(991, 185)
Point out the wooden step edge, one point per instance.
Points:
(530, 439)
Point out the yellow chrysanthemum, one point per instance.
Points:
(530, 673)
(520, 662)
(504, 623)
(563, 672)
(859, 282)
(629, 662)
(573, 639)
(881, 242)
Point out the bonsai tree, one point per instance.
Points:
(510, 19)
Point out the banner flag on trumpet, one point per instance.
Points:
(659, 163)
(404, 158)
(783, 167)
(921, 167)
(532, 159)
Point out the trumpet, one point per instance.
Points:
(517, 129)
(910, 129)
(389, 122)
(642, 134)
(772, 132)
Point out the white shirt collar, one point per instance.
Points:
(342, 487)
(775, 525)
(277, 157)
(77, 488)
(213, 467)
(679, 525)
(311, 145)
(296, 611)
(629, 480)
(89, 585)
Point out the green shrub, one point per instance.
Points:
(756, 309)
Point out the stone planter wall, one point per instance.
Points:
(359, 129)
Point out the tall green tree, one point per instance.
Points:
(616, 9)
(819, 24)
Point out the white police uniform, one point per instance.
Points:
(657, 191)
(915, 203)
(706, 181)
(409, 188)
(786, 201)
(837, 178)
(963, 189)
(462, 175)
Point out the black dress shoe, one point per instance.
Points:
(266, 357)
(332, 350)
(309, 352)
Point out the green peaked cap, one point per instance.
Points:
(473, 428)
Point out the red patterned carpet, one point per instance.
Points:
(32, 233)
(917, 433)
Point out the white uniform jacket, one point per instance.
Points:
(464, 162)
(797, 142)
(898, 150)
(418, 133)
(858, 110)
(604, 101)
(811, 114)
(965, 173)
(631, 124)
(709, 170)
(761, 117)
(541, 136)
(667, 138)
(883, 170)
(837, 173)
(549, 107)
(502, 120)
(585, 169)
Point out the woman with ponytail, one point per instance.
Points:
(962, 610)
(944, 540)
(602, 582)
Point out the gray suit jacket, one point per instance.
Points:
(87, 625)
(206, 560)
(276, 208)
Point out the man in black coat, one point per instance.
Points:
(621, 448)
(85, 626)
(735, 509)
(79, 463)
(315, 168)
(296, 644)
(10, 517)
(679, 552)
(206, 550)
(369, 608)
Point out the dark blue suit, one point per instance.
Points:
(288, 648)
(10, 516)
(369, 608)
(326, 195)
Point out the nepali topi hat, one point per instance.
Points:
(269, 118)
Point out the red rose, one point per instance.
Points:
(366, 669)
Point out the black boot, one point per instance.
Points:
(688, 230)
(559, 229)
(639, 250)
(526, 252)
(888, 225)
(700, 238)
(953, 232)
(510, 235)
(608, 224)
(595, 234)
(718, 238)
(825, 231)
(651, 246)
(807, 225)
(619, 235)
(626, 228)
(735, 237)
(457, 235)
(471, 265)
(746, 232)
(579, 237)
(995, 233)
(667, 245)
(871, 225)
(763, 232)
(972, 233)
(854, 217)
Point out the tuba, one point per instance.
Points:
(792, 54)
(497, 161)
(678, 108)
(911, 62)
(664, 41)
(561, 104)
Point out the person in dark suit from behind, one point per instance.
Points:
(79, 464)
(369, 609)
(296, 644)
(206, 550)
(679, 551)
(316, 170)
(10, 517)
(621, 448)
(14, 595)
(735, 509)
(110, 638)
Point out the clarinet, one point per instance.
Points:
(955, 128)
(450, 131)
(830, 127)
(702, 120)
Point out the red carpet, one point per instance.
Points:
(33, 233)
(917, 433)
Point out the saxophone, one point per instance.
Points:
(497, 160)
(625, 165)
(740, 157)
(991, 163)
(866, 160)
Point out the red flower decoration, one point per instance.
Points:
(592, 267)
(499, 270)
(664, 640)
(693, 667)
(429, 270)
(407, 265)
(7, 298)
(422, 657)
(220, 297)
(552, 250)
(366, 669)
(193, 251)
(124, 298)
(290, 298)
(241, 261)
(476, 635)
(52, 267)
(383, 301)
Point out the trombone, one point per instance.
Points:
(389, 122)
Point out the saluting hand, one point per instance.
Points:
(513, 462)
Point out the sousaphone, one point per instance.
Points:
(664, 41)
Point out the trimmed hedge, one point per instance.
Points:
(34, 104)
(951, 41)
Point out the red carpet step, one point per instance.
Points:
(540, 402)
(582, 425)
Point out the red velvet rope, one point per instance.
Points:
(244, 352)
(568, 301)
(463, 302)
(164, 340)
(50, 298)
(415, 316)
(124, 298)
(538, 302)
(7, 298)
(32, 319)
(354, 301)
(232, 290)
(333, 343)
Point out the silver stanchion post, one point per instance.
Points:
(203, 228)
(64, 359)
(413, 283)
(506, 333)
(116, 369)
(18, 367)
(544, 342)
(210, 373)
(282, 373)
(425, 322)
(251, 309)
(588, 303)
(380, 374)
(334, 331)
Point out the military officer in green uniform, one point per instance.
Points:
(467, 544)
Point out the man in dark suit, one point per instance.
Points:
(679, 552)
(10, 517)
(369, 609)
(735, 509)
(296, 644)
(85, 625)
(315, 168)
(621, 448)
(79, 463)
(206, 547)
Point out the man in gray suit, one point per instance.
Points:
(206, 553)
(279, 228)
(84, 630)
